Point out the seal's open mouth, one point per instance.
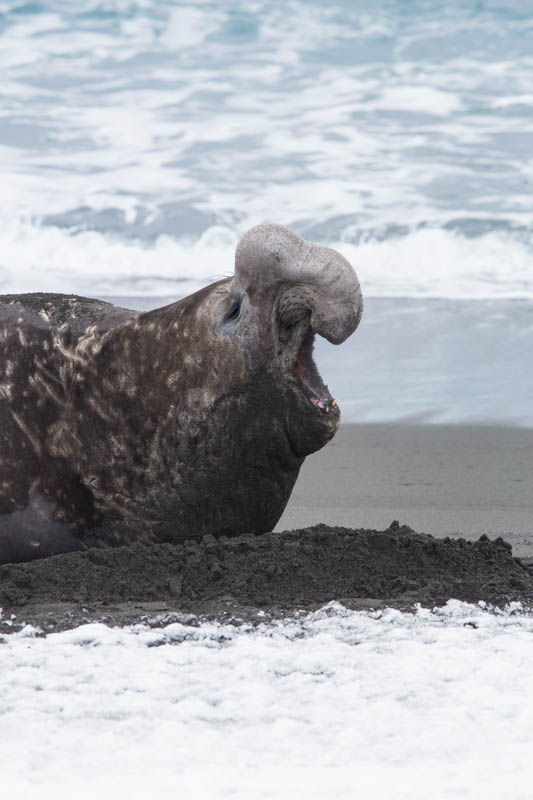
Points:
(314, 387)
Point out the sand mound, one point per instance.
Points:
(276, 572)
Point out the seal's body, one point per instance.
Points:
(191, 419)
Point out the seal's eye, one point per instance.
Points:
(234, 310)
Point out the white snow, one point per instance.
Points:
(334, 704)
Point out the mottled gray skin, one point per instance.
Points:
(191, 419)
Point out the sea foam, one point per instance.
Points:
(428, 262)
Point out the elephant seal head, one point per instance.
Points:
(288, 290)
(188, 420)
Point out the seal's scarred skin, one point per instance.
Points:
(191, 419)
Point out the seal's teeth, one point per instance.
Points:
(333, 402)
(326, 409)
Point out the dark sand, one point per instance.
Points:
(450, 481)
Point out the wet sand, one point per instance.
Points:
(453, 484)
(449, 480)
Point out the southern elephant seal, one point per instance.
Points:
(194, 418)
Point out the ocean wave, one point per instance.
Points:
(443, 263)
(427, 262)
(139, 140)
(50, 259)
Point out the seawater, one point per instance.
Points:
(139, 140)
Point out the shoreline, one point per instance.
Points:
(445, 480)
